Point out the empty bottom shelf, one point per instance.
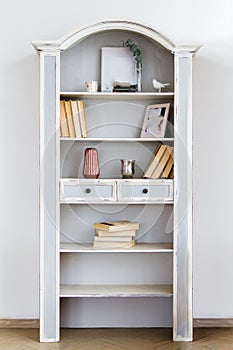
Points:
(101, 291)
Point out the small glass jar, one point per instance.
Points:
(127, 168)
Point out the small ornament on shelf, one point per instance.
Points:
(91, 86)
(91, 164)
(157, 85)
(127, 168)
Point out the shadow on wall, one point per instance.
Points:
(20, 186)
(212, 170)
(212, 109)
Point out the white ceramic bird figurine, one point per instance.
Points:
(158, 85)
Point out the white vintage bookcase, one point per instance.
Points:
(149, 285)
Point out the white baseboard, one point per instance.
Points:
(213, 322)
(197, 322)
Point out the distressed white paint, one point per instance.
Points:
(116, 190)
(49, 197)
(73, 38)
(157, 191)
(213, 75)
(182, 307)
(117, 139)
(138, 248)
(115, 291)
(182, 314)
(118, 95)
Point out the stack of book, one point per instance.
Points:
(162, 164)
(121, 86)
(73, 119)
(115, 234)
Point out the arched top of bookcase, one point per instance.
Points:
(76, 36)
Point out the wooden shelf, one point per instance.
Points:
(118, 139)
(138, 248)
(123, 291)
(117, 95)
(106, 201)
(142, 181)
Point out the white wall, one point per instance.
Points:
(208, 22)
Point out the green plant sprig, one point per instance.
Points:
(136, 52)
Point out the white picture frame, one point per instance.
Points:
(155, 120)
(117, 64)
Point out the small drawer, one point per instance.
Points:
(90, 190)
(146, 191)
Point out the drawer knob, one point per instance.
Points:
(88, 190)
(145, 190)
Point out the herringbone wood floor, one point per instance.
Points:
(117, 339)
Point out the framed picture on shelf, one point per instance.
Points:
(117, 64)
(155, 121)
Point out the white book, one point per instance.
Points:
(82, 118)
(113, 239)
(127, 233)
(111, 245)
(75, 115)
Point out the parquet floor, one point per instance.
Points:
(117, 339)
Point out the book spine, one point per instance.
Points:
(117, 239)
(116, 228)
(82, 118)
(113, 244)
(155, 161)
(102, 233)
(169, 166)
(63, 120)
(159, 169)
(70, 118)
(75, 115)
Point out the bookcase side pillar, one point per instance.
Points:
(182, 268)
(49, 191)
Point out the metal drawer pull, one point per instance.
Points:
(145, 190)
(88, 190)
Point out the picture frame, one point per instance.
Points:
(117, 64)
(155, 120)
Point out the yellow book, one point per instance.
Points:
(171, 175)
(113, 226)
(155, 161)
(162, 163)
(168, 166)
(64, 130)
(82, 118)
(111, 245)
(126, 233)
(70, 118)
